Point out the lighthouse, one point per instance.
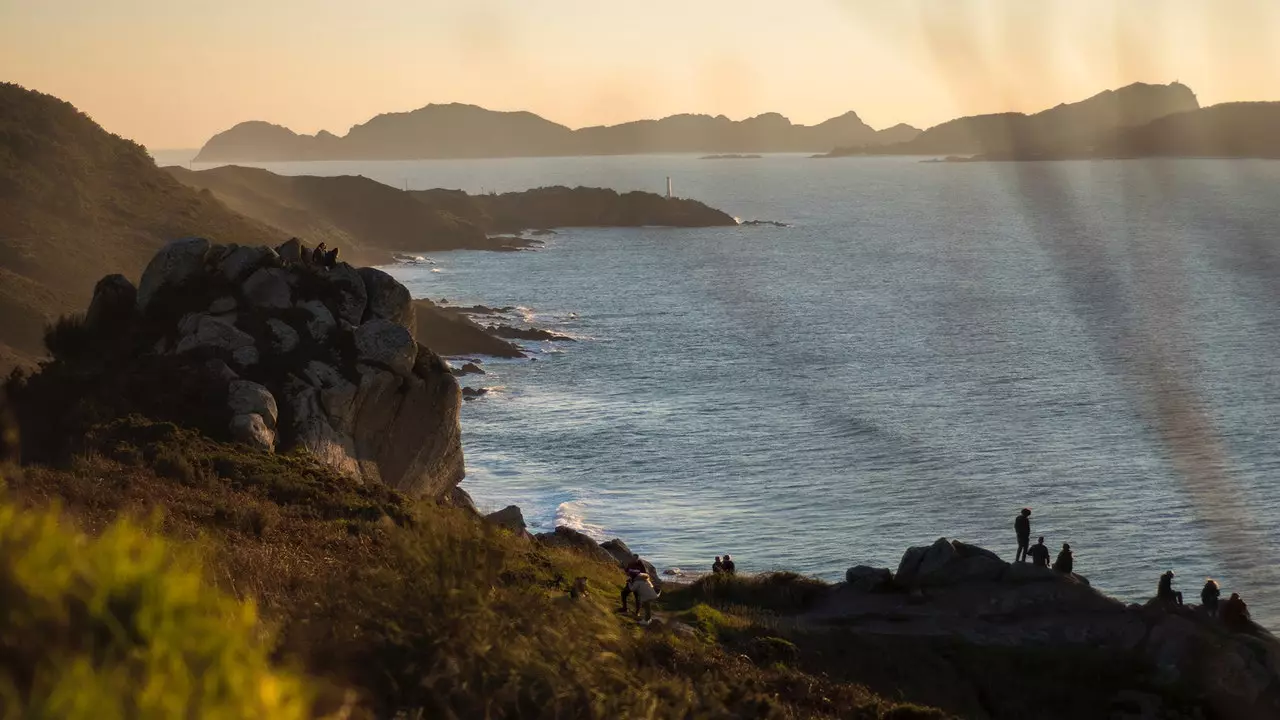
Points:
(668, 187)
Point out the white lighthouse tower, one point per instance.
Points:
(668, 187)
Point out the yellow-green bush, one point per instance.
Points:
(123, 626)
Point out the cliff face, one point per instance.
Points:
(77, 202)
(1076, 125)
(263, 347)
(467, 131)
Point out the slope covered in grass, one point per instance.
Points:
(76, 203)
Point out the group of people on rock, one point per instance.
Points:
(1233, 612)
(1065, 562)
(725, 566)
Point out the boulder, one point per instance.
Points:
(290, 251)
(268, 288)
(456, 497)
(250, 398)
(223, 305)
(384, 344)
(1020, 572)
(176, 263)
(918, 561)
(251, 429)
(510, 518)
(618, 550)
(868, 579)
(965, 550)
(241, 261)
(345, 289)
(203, 331)
(570, 539)
(957, 571)
(114, 299)
(321, 325)
(283, 338)
(313, 433)
(386, 298)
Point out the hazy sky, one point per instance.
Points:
(170, 73)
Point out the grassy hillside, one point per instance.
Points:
(77, 202)
(362, 217)
(391, 607)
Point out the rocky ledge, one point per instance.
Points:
(289, 354)
(951, 592)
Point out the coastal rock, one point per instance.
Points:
(515, 333)
(250, 398)
(510, 518)
(868, 579)
(114, 299)
(468, 369)
(387, 298)
(176, 263)
(384, 344)
(1029, 572)
(241, 261)
(321, 325)
(252, 430)
(470, 393)
(283, 338)
(268, 288)
(570, 539)
(461, 499)
(346, 287)
(619, 551)
(978, 568)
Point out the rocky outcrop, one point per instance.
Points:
(510, 518)
(570, 539)
(322, 359)
(951, 594)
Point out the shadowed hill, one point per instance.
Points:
(1244, 129)
(1076, 125)
(358, 215)
(466, 131)
(77, 202)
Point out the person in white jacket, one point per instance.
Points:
(645, 594)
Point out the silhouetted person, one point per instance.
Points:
(1039, 553)
(1022, 526)
(1235, 614)
(1209, 597)
(728, 566)
(1165, 591)
(317, 255)
(634, 567)
(331, 258)
(1065, 562)
(717, 567)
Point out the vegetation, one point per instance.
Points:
(123, 625)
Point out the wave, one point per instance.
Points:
(573, 514)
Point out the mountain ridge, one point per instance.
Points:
(459, 130)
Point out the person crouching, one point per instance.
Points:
(642, 586)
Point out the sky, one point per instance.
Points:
(171, 73)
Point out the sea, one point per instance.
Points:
(920, 352)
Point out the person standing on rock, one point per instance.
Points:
(1039, 553)
(1165, 591)
(1022, 526)
(634, 567)
(1209, 597)
(1065, 562)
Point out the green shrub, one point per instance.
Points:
(123, 625)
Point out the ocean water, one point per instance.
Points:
(926, 349)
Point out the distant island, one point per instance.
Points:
(1068, 129)
(467, 131)
(731, 156)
